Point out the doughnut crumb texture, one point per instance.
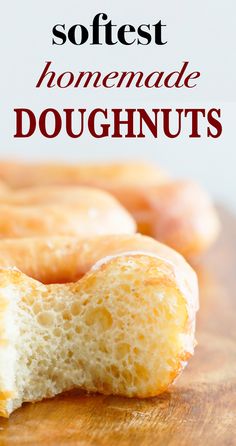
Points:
(125, 328)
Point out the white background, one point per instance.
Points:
(201, 32)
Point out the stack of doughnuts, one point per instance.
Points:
(84, 301)
(177, 213)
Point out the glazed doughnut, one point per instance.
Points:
(93, 212)
(178, 213)
(125, 328)
(67, 259)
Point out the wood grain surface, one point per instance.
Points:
(200, 409)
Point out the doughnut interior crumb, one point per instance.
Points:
(122, 329)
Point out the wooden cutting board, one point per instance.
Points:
(199, 410)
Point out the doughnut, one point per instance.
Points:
(93, 212)
(67, 259)
(177, 213)
(126, 327)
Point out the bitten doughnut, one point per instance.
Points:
(93, 212)
(125, 328)
(178, 213)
